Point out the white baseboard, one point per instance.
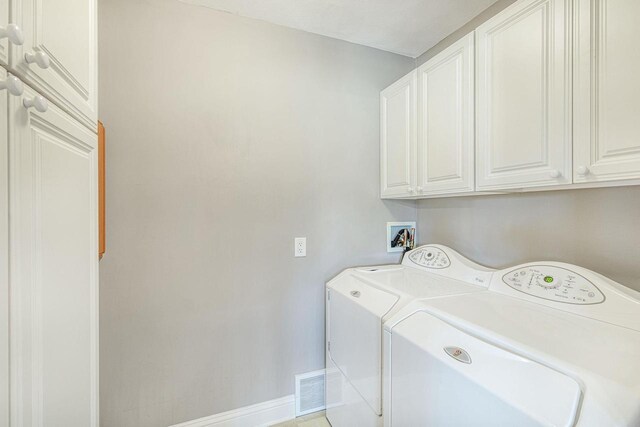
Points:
(258, 415)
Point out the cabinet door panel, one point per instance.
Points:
(607, 141)
(53, 274)
(4, 257)
(445, 121)
(4, 43)
(66, 31)
(398, 137)
(524, 96)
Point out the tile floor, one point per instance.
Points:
(316, 419)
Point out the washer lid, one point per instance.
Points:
(471, 382)
(414, 283)
(600, 354)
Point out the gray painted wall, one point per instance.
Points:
(597, 229)
(226, 138)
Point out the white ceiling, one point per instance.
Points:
(407, 27)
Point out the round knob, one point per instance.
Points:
(582, 170)
(419, 189)
(13, 85)
(13, 33)
(555, 174)
(548, 282)
(411, 190)
(38, 102)
(40, 58)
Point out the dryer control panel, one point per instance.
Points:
(554, 283)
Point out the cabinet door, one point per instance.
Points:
(524, 96)
(446, 122)
(4, 259)
(4, 43)
(53, 268)
(607, 98)
(398, 138)
(65, 30)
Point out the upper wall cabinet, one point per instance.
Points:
(557, 101)
(607, 90)
(445, 121)
(524, 96)
(59, 54)
(398, 138)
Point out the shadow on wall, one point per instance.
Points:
(594, 228)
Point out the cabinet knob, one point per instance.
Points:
(13, 33)
(582, 170)
(40, 58)
(411, 190)
(38, 102)
(13, 85)
(555, 173)
(419, 189)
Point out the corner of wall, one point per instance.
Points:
(484, 16)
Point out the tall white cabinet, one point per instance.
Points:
(524, 96)
(53, 265)
(48, 216)
(607, 90)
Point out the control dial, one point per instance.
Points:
(430, 257)
(547, 282)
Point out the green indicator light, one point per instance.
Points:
(548, 279)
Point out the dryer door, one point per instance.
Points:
(443, 376)
(355, 335)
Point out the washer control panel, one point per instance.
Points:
(554, 284)
(444, 261)
(430, 257)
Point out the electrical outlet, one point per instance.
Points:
(300, 246)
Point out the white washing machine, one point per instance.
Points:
(359, 300)
(548, 344)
